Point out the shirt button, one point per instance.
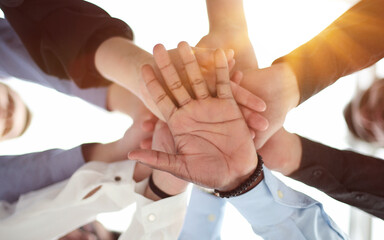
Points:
(211, 217)
(151, 217)
(317, 173)
(280, 194)
(117, 178)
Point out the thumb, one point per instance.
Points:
(159, 160)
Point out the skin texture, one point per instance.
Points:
(120, 61)
(276, 85)
(282, 152)
(213, 143)
(228, 30)
(163, 141)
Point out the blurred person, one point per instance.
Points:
(364, 114)
(15, 116)
(91, 231)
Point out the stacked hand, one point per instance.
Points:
(213, 144)
(250, 105)
(238, 41)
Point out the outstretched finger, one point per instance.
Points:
(170, 75)
(254, 120)
(159, 160)
(146, 143)
(205, 56)
(162, 100)
(222, 75)
(149, 124)
(247, 99)
(192, 68)
(237, 77)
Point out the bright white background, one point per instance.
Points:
(275, 27)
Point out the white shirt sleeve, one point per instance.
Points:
(160, 220)
(58, 209)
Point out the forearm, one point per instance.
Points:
(121, 100)
(351, 43)
(113, 151)
(120, 60)
(224, 14)
(101, 152)
(281, 86)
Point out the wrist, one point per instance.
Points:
(120, 99)
(119, 60)
(289, 83)
(226, 14)
(294, 155)
(169, 183)
(247, 183)
(164, 185)
(90, 151)
(225, 28)
(102, 152)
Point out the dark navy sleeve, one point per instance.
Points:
(62, 36)
(347, 176)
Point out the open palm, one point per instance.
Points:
(213, 144)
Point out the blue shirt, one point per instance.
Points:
(274, 211)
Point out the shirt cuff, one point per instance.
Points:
(204, 217)
(160, 219)
(259, 206)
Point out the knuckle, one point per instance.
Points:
(175, 85)
(160, 98)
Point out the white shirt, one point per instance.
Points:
(51, 212)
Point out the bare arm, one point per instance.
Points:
(228, 29)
